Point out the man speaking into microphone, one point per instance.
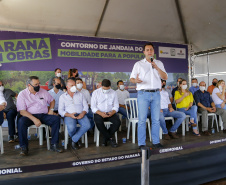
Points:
(147, 75)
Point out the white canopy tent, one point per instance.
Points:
(200, 23)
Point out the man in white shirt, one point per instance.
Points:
(147, 74)
(168, 111)
(122, 95)
(85, 92)
(73, 107)
(56, 92)
(104, 104)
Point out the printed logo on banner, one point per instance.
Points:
(19, 50)
(168, 52)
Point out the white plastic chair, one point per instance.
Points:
(214, 116)
(66, 137)
(221, 123)
(97, 133)
(40, 133)
(133, 118)
(1, 140)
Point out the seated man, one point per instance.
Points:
(168, 111)
(206, 105)
(211, 87)
(194, 86)
(58, 74)
(10, 110)
(85, 92)
(32, 105)
(122, 95)
(167, 90)
(104, 104)
(73, 107)
(56, 92)
(3, 104)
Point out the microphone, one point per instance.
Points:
(151, 58)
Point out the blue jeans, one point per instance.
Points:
(90, 117)
(219, 106)
(11, 116)
(175, 114)
(192, 112)
(122, 111)
(144, 100)
(50, 120)
(77, 132)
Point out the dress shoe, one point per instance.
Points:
(104, 142)
(24, 151)
(224, 131)
(56, 148)
(113, 143)
(206, 133)
(141, 146)
(79, 144)
(173, 135)
(154, 146)
(166, 137)
(74, 145)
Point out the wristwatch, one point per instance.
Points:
(52, 109)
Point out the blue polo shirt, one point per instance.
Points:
(203, 98)
(193, 89)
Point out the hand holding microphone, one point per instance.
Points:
(153, 63)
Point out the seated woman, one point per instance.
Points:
(73, 73)
(184, 103)
(218, 94)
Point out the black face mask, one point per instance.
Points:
(163, 86)
(58, 86)
(36, 88)
(214, 83)
(76, 75)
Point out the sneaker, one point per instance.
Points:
(154, 146)
(174, 135)
(166, 137)
(206, 133)
(11, 139)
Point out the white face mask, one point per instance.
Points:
(220, 88)
(121, 87)
(194, 84)
(106, 91)
(73, 89)
(2, 88)
(58, 75)
(202, 88)
(184, 86)
(79, 86)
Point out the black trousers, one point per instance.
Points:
(107, 133)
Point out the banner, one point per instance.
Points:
(24, 54)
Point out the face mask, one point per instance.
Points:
(194, 84)
(121, 87)
(36, 88)
(76, 75)
(79, 86)
(214, 83)
(106, 91)
(202, 88)
(2, 88)
(220, 88)
(163, 86)
(73, 89)
(58, 86)
(184, 86)
(58, 75)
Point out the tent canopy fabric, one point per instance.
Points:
(151, 20)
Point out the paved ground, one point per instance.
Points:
(40, 155)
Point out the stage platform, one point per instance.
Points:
(40, 155)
